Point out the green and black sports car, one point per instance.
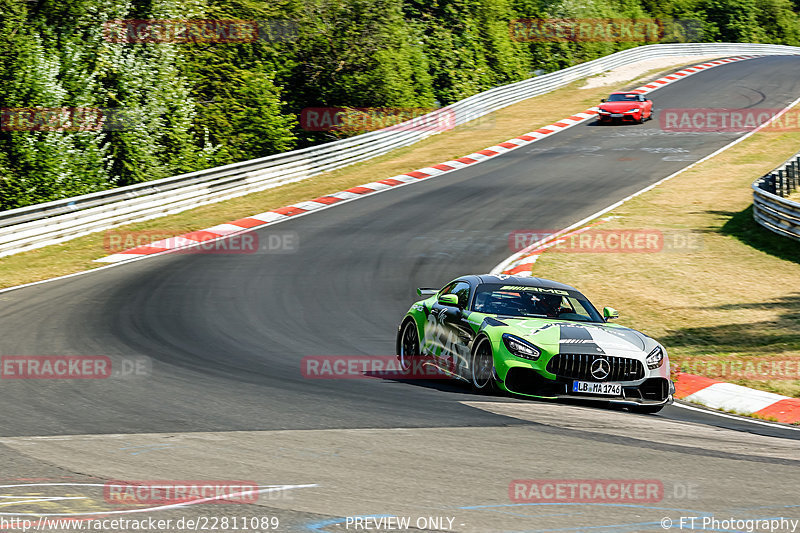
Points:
(533, 337)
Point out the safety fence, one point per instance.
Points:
(771, 208)
(53, 222)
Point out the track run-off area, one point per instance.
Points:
(223, 336)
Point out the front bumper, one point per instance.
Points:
(529, 382)
(630, 117)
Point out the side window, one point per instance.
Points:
(447, 288)
(578, 309)
(461, 289)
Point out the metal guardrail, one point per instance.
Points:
(771, 209)
(53, 222)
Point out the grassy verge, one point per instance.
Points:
(731, 297)
(78, 254)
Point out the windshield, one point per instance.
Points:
(522, 301)
(623, 98)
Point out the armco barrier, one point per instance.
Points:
(771, 209)
(52, 222)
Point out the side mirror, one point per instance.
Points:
(610, 313)
(448, 299)
(603, 100)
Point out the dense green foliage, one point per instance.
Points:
(189, 106)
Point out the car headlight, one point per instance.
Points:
(521, 348)
(603, 112)
(632, 110)
(655, 358)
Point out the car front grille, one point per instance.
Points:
(579, 366)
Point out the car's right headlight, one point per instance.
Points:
(656, 358)
(632, 110)
(520, 347)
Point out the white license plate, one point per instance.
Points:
(593, 387)
(616, 115)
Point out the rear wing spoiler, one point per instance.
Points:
(427, 291)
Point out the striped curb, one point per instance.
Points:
(274, 216)
(735, 398)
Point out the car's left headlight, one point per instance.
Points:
(632, 110)
(656, 358)
(520, 347)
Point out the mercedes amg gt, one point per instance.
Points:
(533, 337)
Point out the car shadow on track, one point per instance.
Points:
(596, 123)
(460, 387)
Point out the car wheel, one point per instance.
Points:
(482, 367)
(409, 345)
(646, 409)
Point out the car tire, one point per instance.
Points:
(409, 345)
(482, 367)
(646, 409)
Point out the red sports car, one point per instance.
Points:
(622, 106)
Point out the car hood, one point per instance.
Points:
(619, 107)
(580, 338)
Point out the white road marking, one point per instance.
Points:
(262, 490)
(734, 417)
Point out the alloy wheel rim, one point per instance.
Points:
(407, 346)
(482, 366)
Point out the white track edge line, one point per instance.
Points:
(741, 418)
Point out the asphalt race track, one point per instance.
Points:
(225, 334)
